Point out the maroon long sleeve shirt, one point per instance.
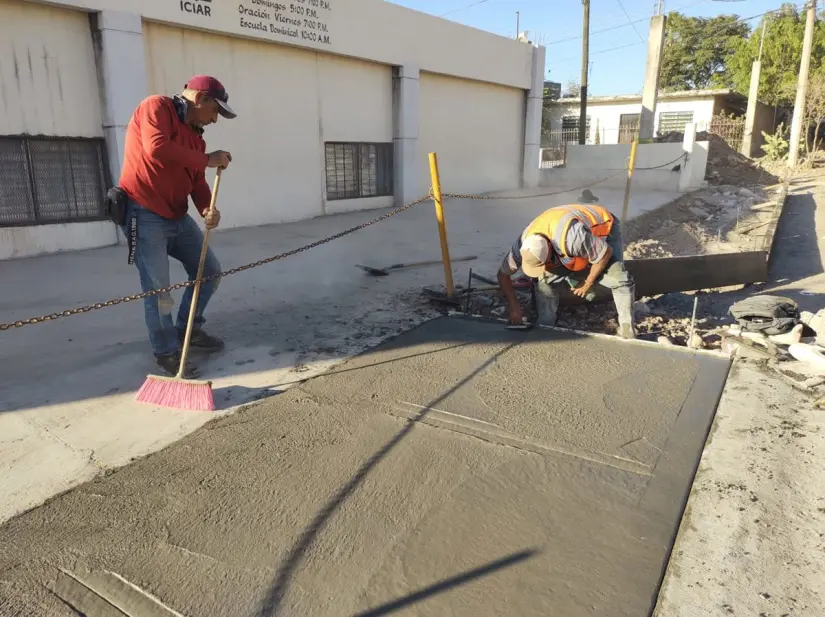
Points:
(164, 161)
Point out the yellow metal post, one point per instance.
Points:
(442, 225)
(630, 167)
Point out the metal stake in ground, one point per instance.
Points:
(693, 319)
(442, 225)
(469, 287)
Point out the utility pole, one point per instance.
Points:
(585, 66)
(802, 86)
(753, 97)
(517, 24)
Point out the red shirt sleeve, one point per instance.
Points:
(156, 122)
(201, 194)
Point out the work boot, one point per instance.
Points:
(170, 363)
(547, 304)
(201, 340)
(624, 297)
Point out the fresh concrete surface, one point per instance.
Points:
(67, 387)
(323, 501)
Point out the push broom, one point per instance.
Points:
(177, 391)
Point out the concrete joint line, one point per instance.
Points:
(492, 433)
(104, 590)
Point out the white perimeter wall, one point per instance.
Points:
(653, 170)
(290, 101)
(48, 82)
(477, 130)
(608, 115)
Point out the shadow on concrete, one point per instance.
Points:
(273, 599)
(445, 585)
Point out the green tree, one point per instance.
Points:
(697, 49)
(781, 56)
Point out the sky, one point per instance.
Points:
(617, 56)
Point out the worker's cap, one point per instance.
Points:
(535, 251)
(214, 89)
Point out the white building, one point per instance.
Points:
(615, 119)
(339, 103)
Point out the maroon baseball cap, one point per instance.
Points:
(213, 88)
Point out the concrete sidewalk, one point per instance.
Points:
(485, 486)
(68, 386)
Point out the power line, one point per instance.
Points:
(461, 8)
(629, 21)
(618, 27)
(710, 33)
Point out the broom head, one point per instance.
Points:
(177, 393)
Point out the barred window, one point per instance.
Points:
(670, 121)
(51, 180)
(356, 170)
(570, 127)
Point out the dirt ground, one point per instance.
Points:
(716, 219)
(729, 215)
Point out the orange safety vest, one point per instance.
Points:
(555, 222)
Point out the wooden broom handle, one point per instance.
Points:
(196, 292)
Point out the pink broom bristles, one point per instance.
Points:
(177, 393)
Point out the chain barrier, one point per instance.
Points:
(255, 264)
(570, 190)
(147, 294)
(679, 158)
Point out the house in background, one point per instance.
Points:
(615, 119)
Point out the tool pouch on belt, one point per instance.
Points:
(766, 314)
(116, 201)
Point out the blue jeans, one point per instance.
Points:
(158, 239)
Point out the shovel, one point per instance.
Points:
(386, 271)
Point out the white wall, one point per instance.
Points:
(289, 102)
(48, 82)
(653, 171)
(17, 242)
(369, 29)
(615, 156)
(47, 72)
(608, 115)
(476, 129)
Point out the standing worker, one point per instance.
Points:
(578, 244)
(164, 163)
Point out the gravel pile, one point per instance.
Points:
(717, 219)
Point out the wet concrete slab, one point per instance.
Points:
(458, 469)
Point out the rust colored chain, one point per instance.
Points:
(255, 264)
(570, 190)
(114, 302)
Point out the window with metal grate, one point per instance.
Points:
(356, 170)
(674, 121)
(47, 180)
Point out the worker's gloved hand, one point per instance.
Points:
(516, 315)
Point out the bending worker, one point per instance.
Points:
(580, 245)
